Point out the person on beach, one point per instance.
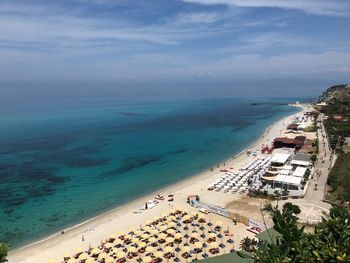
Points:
(82, 238)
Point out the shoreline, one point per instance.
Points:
(52, 244)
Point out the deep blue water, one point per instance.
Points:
(67, 160)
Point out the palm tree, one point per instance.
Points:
(248, 244)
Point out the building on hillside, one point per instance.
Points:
(321, 105)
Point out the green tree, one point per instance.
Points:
(329, 243)
(3, 252)
(248, 244)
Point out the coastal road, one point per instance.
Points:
(315, 193)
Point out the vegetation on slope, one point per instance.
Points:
(339, 179)
(330, 241)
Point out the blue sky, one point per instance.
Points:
(219, 44)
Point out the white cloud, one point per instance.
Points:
(292, 64)
(317, 7)
(196, 18)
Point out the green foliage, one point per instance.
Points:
(337, 131)
(248, 244)
(3, 252)
(329, 243)
(339, 178)
(306, 176)
(313, 158)
(312, 128)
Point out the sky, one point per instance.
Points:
(197, 47)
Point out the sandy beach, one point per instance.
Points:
(122, 218)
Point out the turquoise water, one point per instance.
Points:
(64, 161)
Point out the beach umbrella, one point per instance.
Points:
(83, 256)
(71, 261)
(148, 222)
(120, 254)
(219, 223)
(95, 251)
(162, 236)
(132, 249)
(154, 232)
(158, 254)
(194, 214)
(135, 240)
(66, 256)
(120, 233)
(171, 231)
(186, 217)
(186, 249)
(108, 245)
(149, 249)
(102, 256)
(168, 249)
(146, 259)
(115, 250)
(142, 244)
(137, 232)
(214, 245)
(178, 235)
(112, 237)
(171, 224)
(201, 217)
(78, 251)
(198, 245)
(212, 235)
(117, 242)
(169, 240)
(163, 227)
(131, 229)
(152, 239)
(171, 218)
(51, 261)
(194, 235)
(90, 260)
(147, 228)
(109, 260)
(144, 236)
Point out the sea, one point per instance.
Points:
(67, 160)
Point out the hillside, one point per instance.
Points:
(337, 93)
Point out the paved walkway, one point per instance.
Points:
(317, 186)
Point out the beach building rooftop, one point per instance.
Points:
(301, 159)
(269, 235)
(281, 142)
(287, 179)
(299, 172)
(281, 156)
